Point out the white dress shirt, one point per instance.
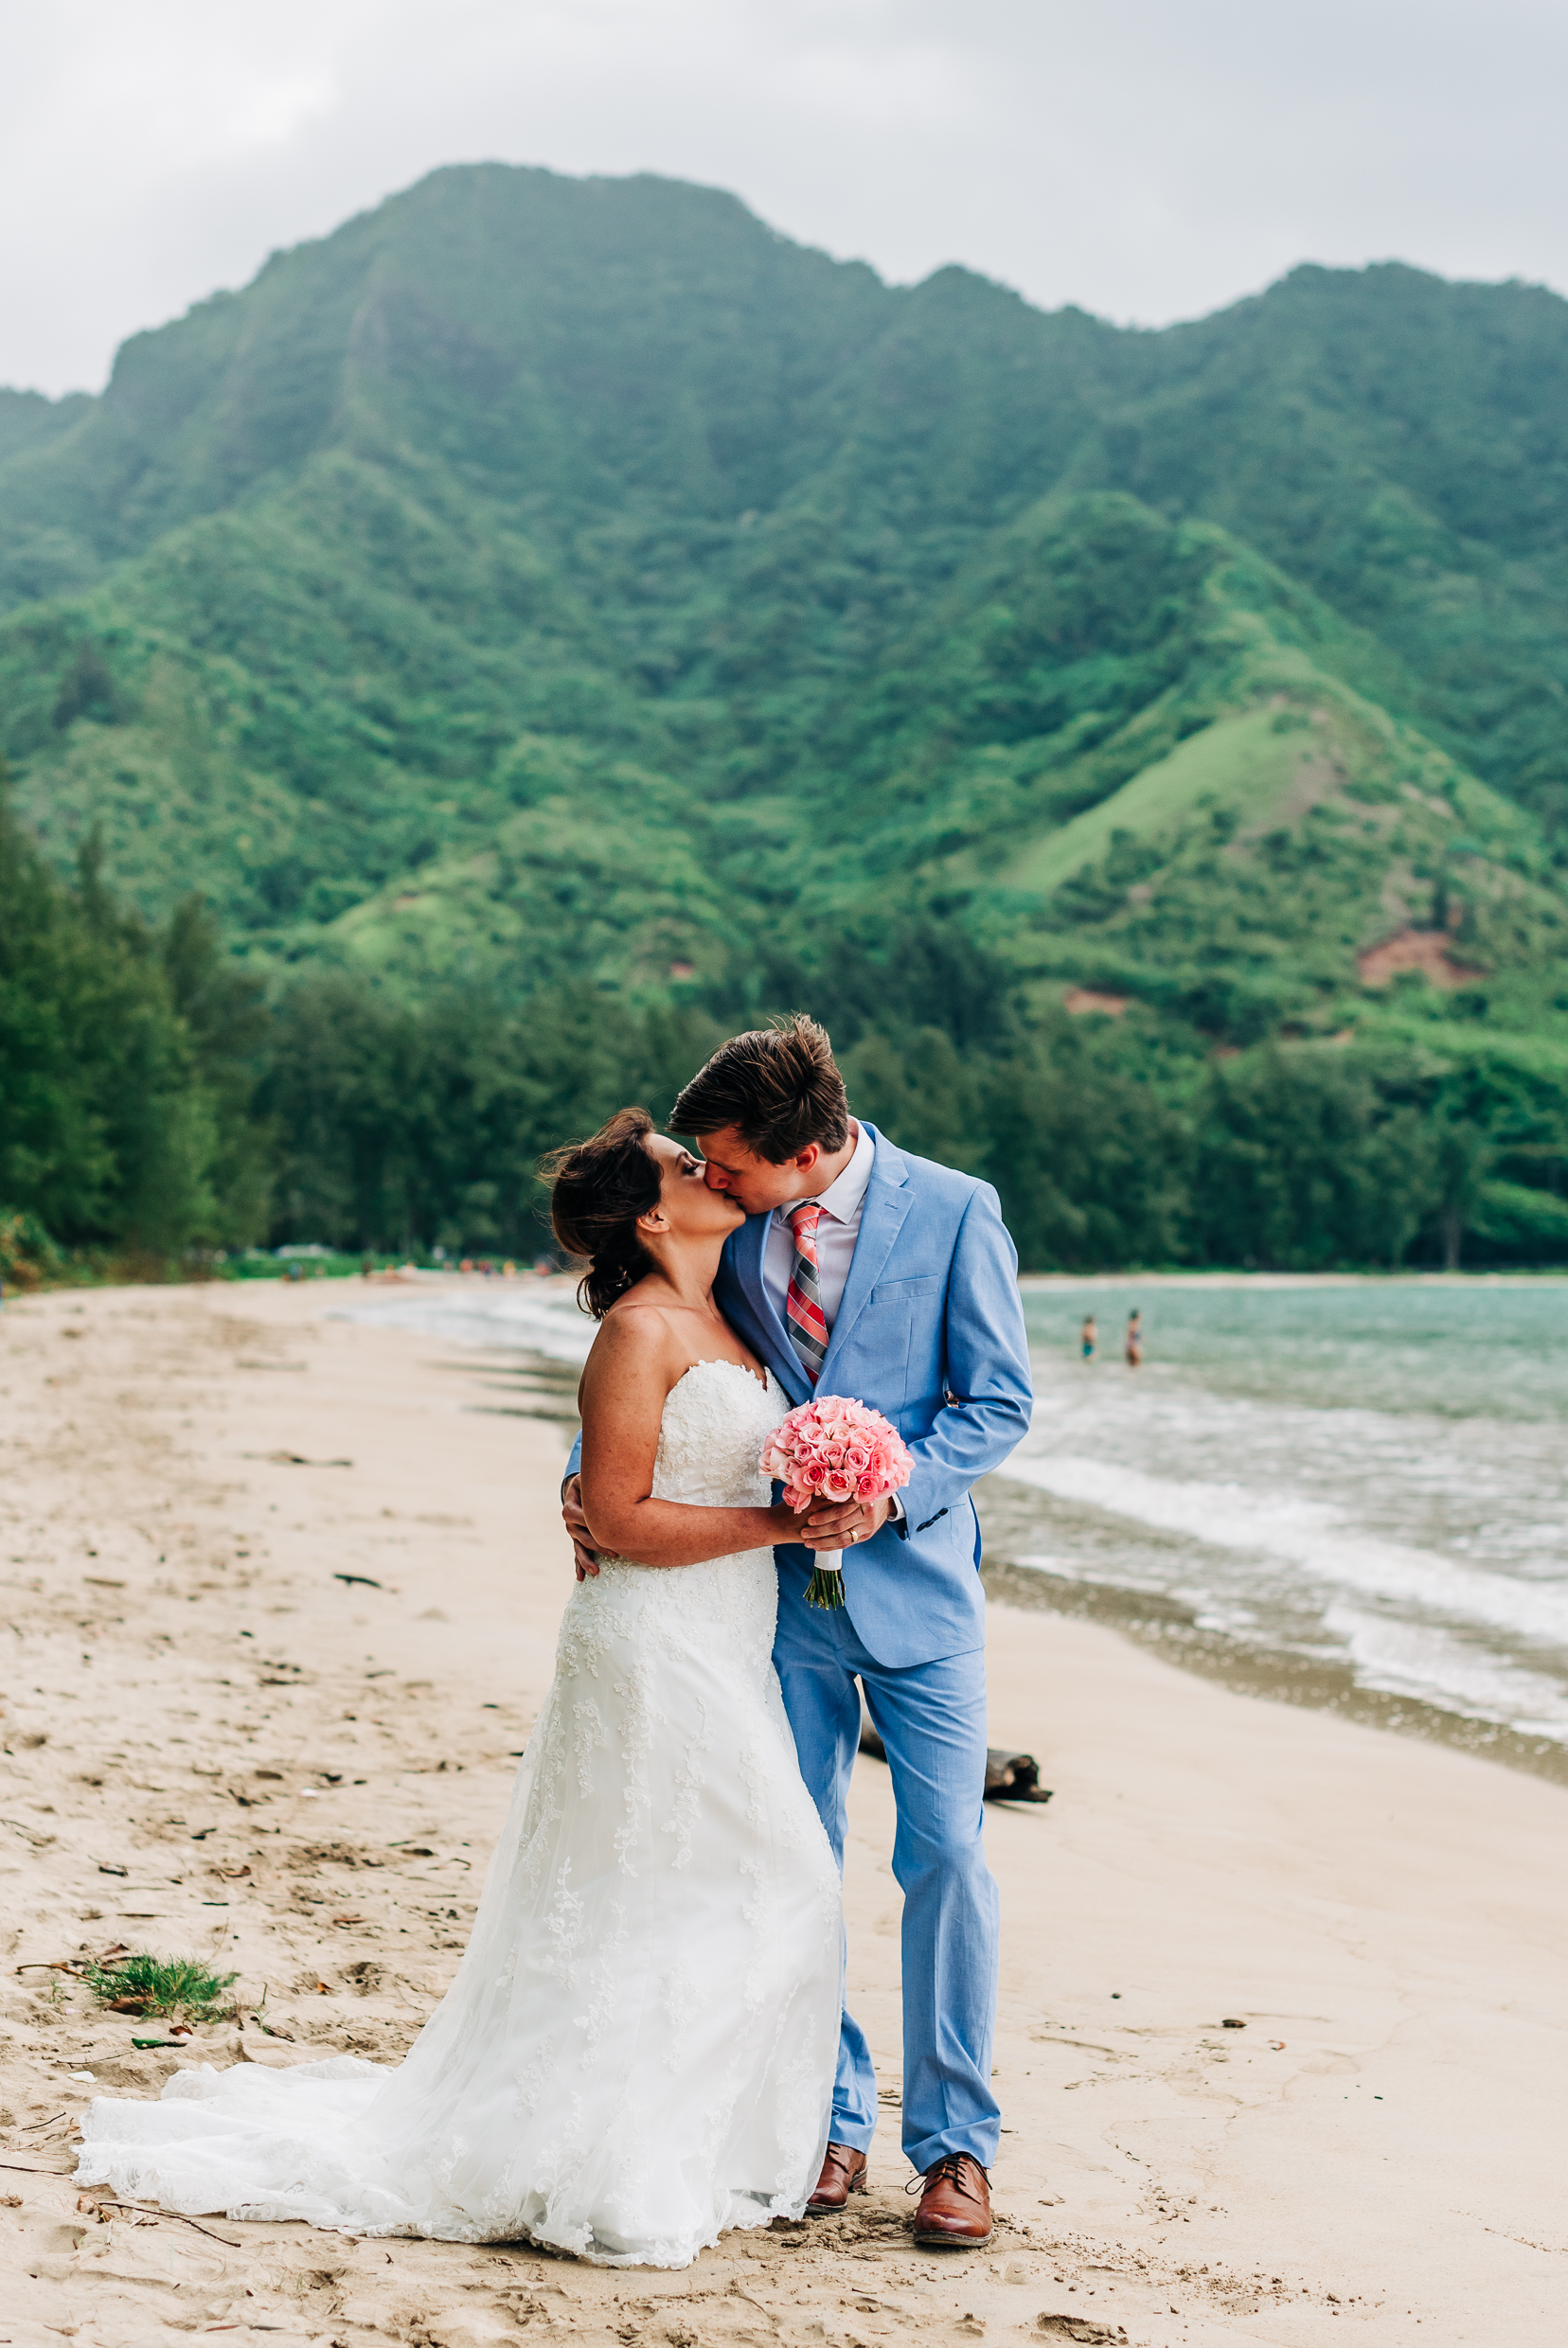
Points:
(838, 1227)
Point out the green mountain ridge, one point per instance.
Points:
(542, 583)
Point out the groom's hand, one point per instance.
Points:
(844, 1525)
(584, 1555)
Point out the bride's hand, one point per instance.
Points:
(788, 1522)
(584, 1550)
(841, 1525)
(823, 1526)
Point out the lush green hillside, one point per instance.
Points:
(541, 585)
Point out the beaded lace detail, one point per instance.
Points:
(638, 2049)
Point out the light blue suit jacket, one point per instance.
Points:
(930, 1331)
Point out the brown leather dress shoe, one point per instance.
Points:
(954, 2212)
(843, 2173)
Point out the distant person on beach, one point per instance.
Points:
(1088, 1337)
(1135, 1340)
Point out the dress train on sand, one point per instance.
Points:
(639, 2049)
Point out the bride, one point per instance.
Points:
(639, 2049)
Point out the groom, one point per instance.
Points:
(862, 1271)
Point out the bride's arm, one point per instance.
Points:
(630, 1373)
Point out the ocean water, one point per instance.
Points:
(1371, 1475)
(510, 1316)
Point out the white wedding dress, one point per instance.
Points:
(639, 2049)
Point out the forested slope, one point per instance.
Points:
(548, 593)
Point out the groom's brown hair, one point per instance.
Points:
(778, 1086)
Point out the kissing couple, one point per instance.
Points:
(646, 2043)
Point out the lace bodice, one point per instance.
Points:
(710, 1438)
(716, 1419)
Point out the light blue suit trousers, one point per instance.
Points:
(932, 1720)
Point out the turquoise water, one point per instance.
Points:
(1370, 1473)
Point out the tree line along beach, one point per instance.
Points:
(1168, 825)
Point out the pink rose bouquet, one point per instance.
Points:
(834, 1451)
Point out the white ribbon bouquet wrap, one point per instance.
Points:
(834, 1451)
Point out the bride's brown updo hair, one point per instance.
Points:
(598, 1188)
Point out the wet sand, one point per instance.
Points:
(214, 1744)
(1176, 1630)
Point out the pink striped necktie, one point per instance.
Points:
(802, 1304)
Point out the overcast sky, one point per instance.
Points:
(1149, 159)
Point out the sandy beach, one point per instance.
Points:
(280, 1596)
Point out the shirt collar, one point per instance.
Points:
(845, 1194)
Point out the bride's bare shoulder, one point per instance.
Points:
(635, 1339)
(636, 1320)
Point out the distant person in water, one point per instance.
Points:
(1088, 1337)
(1135, 1340)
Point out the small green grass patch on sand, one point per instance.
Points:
(146, 1984)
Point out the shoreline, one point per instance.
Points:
(544, 1387)
(84, 1280)
(282, 1592)
(1167, 1628)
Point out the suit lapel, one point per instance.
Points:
(887, 1201)
(774, 1344)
